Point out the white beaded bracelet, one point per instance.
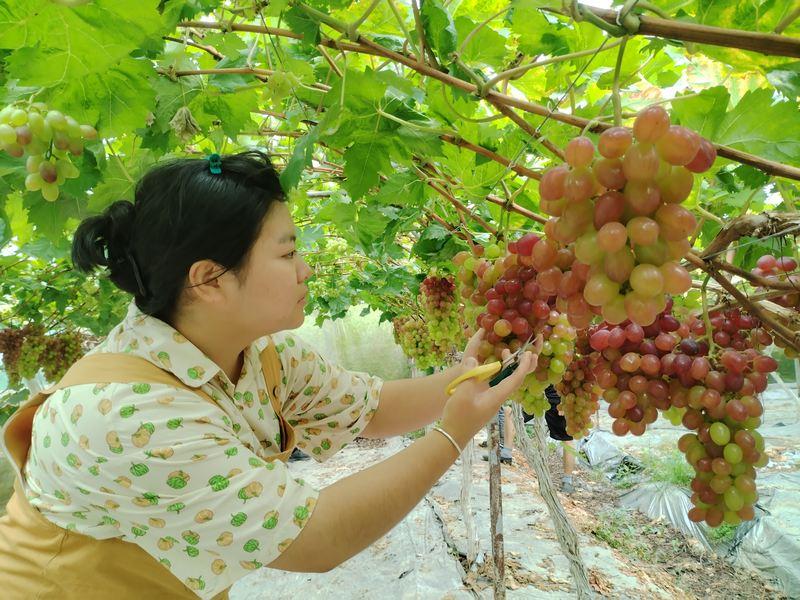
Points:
(449, 437)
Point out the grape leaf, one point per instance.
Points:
(116, 102)
(362, 165)
(704, 112)
(301, 157)
(761, 126)
(487, 47)
(56, 45)
(402, 188)
(440, 30)
(786, 78)
(300, 22)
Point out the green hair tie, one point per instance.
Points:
(215, 163)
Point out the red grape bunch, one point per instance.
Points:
(775, 269)
(622, 211)
(49, 138)
(781, 269)
(669, 366)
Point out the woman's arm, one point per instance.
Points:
(356, 511)
(408, 404)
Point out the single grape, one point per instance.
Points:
(678, 145)
(580, 152)
(650, 124)
(613, 142)
(704, 159)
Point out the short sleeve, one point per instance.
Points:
(327, 405)
(166, 471)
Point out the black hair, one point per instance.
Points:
(182, 213)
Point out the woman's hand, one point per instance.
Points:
(471, 352)
(474, 403)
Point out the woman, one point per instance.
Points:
(157, 466)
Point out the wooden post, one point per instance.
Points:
(496, 512)
(535, 454)
(466, 503)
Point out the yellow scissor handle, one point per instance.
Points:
(481, 373)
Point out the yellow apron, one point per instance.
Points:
(39, 559)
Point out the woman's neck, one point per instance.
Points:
(218, 339)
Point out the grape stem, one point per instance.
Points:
(615, 89)
(517, 71)
(765, 43)
(712, 347)
(402, 24)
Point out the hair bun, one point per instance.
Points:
(104, 241)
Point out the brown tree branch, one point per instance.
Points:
(366, 46)
(764, 43)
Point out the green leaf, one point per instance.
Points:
(440, 31)
(402, 188)
(357, 91)
(537, 35)
(436, 244)
(232, 110)
(300, 22)
(363, 162)
(487, 47)
(119, 179)
(786, 78)
(763, 127)
(702, 113)
(116, 101)
(59, 45)
(301, 158)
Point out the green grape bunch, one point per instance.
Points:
(440, 308)
(48, 138)
(413, 336)
(27, 350)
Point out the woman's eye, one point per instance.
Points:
(291, 254)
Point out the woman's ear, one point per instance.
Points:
(203, 281)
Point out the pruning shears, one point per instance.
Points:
(494, 372)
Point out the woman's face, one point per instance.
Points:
(272, 295)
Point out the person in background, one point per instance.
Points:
(556, 425)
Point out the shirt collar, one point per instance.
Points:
(156, 341)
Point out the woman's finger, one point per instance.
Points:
(474, 343)
(506, 387)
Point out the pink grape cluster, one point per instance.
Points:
(48, 137)
(622, 211)
(667, 366)
(440, 310)
(515, 303)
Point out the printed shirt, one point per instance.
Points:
(182, 478)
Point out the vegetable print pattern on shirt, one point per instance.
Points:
(188, 481)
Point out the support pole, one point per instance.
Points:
(496, 512)
(466, 503)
